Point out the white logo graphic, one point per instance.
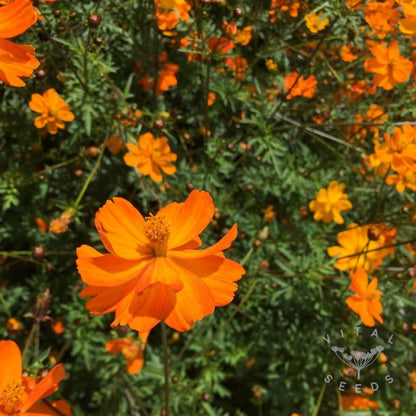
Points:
(359, 359)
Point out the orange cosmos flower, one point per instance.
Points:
(244, 35)
(296, 85)
(408, 24)
(115, 144)
(329, 203)
(315, 23)
(153, 271)
(151, 156)
(21, 395)
(132, 351)
(53, 111)
(13, 326)
(169, 13)
(347, 54)
(16, 60)
(381, 17)
(366, 301)
(357, 402)
(166, 77)
(237, 66)
(388, 65)
(356, 248)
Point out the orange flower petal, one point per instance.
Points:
(10, 363)
(221, 245)
(45, 387)
(16, 61)
(16, 17)
(106, 269)
(121, 230)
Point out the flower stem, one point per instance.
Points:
(166, 366)
(29, 339)
(90, 176)
(318, 404)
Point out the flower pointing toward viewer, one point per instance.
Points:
(153, 270)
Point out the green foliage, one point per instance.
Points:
(264, 354)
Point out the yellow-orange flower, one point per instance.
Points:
(16, 61)
(408, 24)
(296, 85)
(357, 249)
(329, 203)
(389, 67)
(366, 301)
(131, 350)
(151, 156)
(315, 23)
(115, 144)
(243, 36)
(21, 395)
(53, 111)
(413, 379)
(153, 270)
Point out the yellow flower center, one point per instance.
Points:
(11, 397)
(54, 112)
(157, 231)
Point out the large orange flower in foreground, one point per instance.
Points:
(16, 60)
(153, 271)
(20, 395)
(389, 67)
(366, 301)
(53, 111)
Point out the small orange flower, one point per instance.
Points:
(296, 85)
(16, 61)
(389, 67)
(269, 213)
(211, 98)
(413, 379)
(357, 402)
(21, 394)
(366, 301)
(356, 249)
(315, 23)
(53, 111)
(169, 13)
(153, 270)
(381, 17)
(347, 54)
(237, 65)
(151, 155)
(115, 144)
(244, 35)
(131, 350)
(58, 326)
(13, 326)
(329, 203)
(166, 77)
(41, 224)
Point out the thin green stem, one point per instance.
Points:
(166, 366)
(318, 404)
(90, 176)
